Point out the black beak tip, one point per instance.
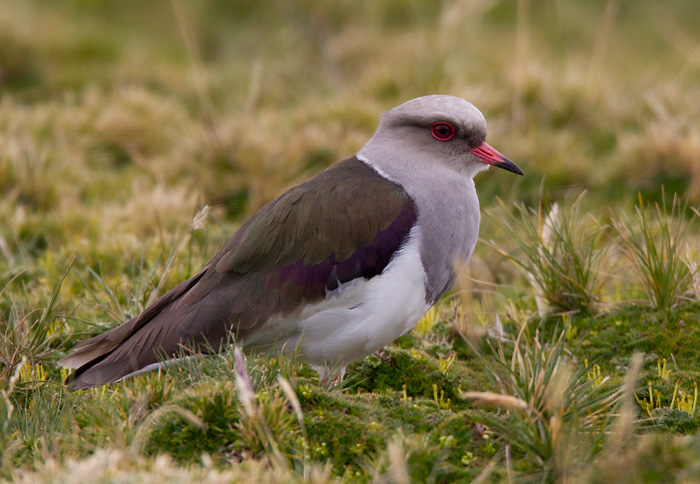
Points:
(508, 165)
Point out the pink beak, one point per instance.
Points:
(490, 156)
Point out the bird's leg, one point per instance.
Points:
(323, 374)
(338, 380)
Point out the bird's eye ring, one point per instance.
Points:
(442, 131)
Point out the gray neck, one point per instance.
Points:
(448, 211)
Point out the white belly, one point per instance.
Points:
(359, 317)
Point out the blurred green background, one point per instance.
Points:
(236, 100)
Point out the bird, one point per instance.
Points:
(338, 266)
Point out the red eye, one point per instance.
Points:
(442, 131)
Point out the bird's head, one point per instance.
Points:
(438, 129)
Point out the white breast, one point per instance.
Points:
(359, 317)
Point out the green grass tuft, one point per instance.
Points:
(656, 243)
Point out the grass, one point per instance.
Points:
(656, 248)
(556, 415)
(559, 253)
(119, 124)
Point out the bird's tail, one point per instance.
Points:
(142, 341)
